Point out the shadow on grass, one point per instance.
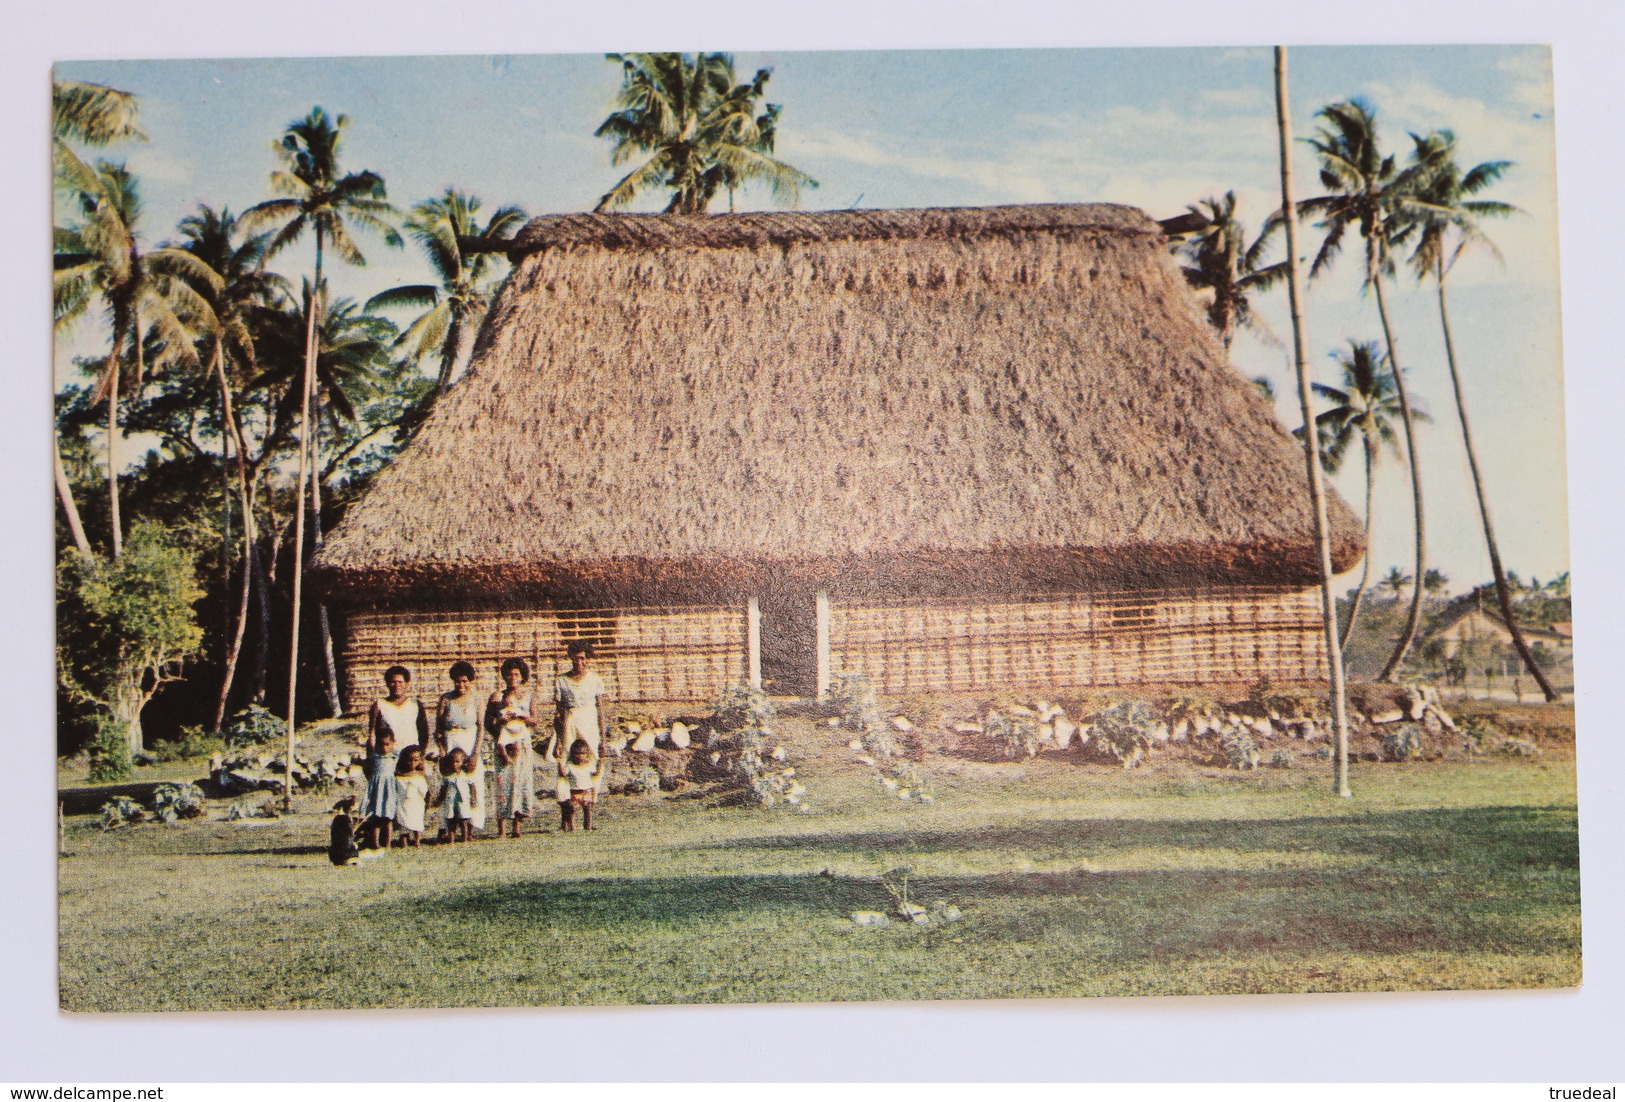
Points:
(1126, 917)
(1496, 838)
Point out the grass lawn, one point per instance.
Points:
(1072, 879)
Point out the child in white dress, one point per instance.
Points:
(459, 796)
(579, 777)
(412, 789)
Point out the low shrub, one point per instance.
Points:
(121, 810)
(1518, 748)
(255, 725)
(1479, 734)
(1124, 731)
(1015, 736)
(194, 743)
(744, 744)
(1402, 743)
(1240, 749)
(109, 751)
(171, 802)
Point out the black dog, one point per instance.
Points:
(341, 847)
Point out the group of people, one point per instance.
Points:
(416, 762)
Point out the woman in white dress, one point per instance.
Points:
(395, 722)
(457, 727)
(576, 697)
(510, 721)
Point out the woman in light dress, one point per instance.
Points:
(395, 722)
(575, 697)
(511, 723)
(457, 726)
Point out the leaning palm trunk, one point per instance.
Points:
(1503, 593)
(1390, 672)
(1365, 569)
(1317, 489)
(245, 502)
(330, 672)
(64, 493)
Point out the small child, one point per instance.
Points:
(412, 796)
(458, 796)
(382, 800)
(579, 775)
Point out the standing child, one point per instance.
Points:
(382, 801)
(412, 796)
(459, 797)
(579, 776)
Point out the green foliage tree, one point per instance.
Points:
(700, 130)
(455, 305)
(125, 626)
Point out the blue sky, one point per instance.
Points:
(1154, 128)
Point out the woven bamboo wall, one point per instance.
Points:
(1105, 639)
(643, 654)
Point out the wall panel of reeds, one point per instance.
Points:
(1098, 640)
(676, 654)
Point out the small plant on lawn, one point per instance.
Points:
(1403, 743)
(875, 745)
(121, 811)
(1124, 731)
(896, 882)
(1282, 759)
(172, 802)
(1240, 749)
(746, 744)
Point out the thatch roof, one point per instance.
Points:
(932, 399)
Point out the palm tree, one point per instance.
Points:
(1221, 263)
(1366, 192)
(1311, 458)
(457, 305)
(95, 115)
(1363, 410)
(318, 197)
(1435, 582)
(226, 343)
(700, 129)
(1396, 581)
(100, 254)
(1449, 225)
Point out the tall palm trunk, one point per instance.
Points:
(245, 502)
(308, 385)
(1503, 592)
(1317, 489)
(1365, 569)
(110, 372)
(1390, 672)
(449, 355)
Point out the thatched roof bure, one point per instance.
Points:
(933, 400)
